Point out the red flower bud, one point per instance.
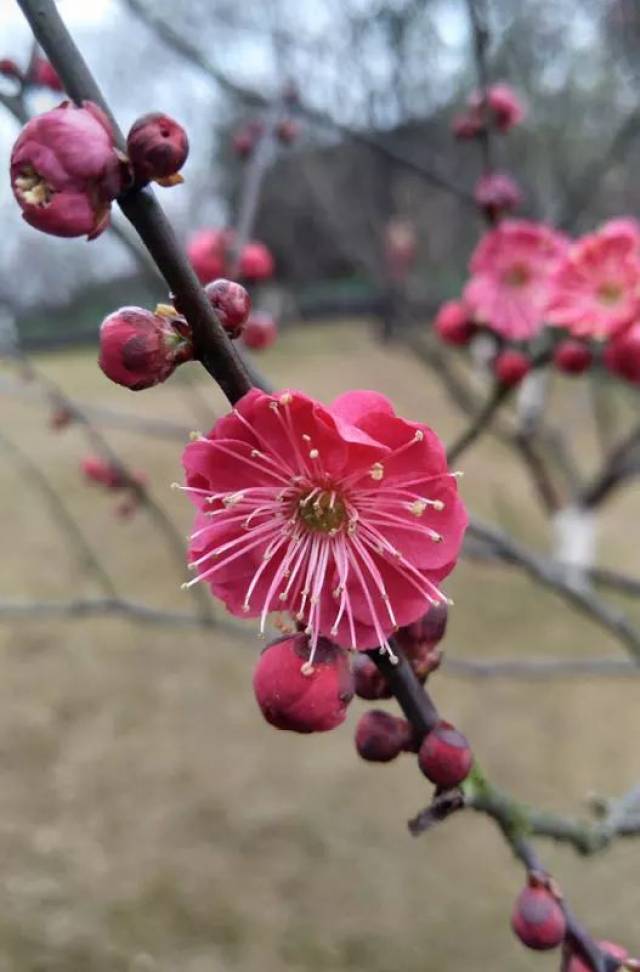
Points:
(231, 303)
(497, 193)
(502, 104)
(295, 695)
(65, 171)
(157, 147)
(287, 131)
(369, 682)
(400, 247)
(511, 366)
(60, 418)
(453, 323)
(577, 964)
(445, 756)
(419, 641)
(260, 331)
(242, 143)
(139, 349)
(622, 354)
(207, 250)
(256, 262)
(125, 509)
(537, 919)
(9, 69)
(380, 736)
(572, 357)
(99, 471)
(45, 74)
(468, 125)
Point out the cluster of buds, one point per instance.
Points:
(498, 108)
(140, 348)
(66, 169)
(211, 255)
(40, 73)
(531, 287)
(113, 478)
(245, 139)
(444, 755)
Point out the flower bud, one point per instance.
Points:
(496, 194)
(207, 251)
(260, 331)
(256, 262)
(419, 641)
(287, 130)
(295, 695)
(125, 509)
(157, 147)
(104, 473)
(572, 357)
(622, 354)
(231, 303)
(577, 964)
(537, 918)
(380, 736)
(467, 125)
(453, 323)
(502, 104)
(369, 682)
(65, 171)
(9, 69)
(44, 74)
(445, 756)
(511, 366)
(61, 417)
(242, 143)
(400, 247)
(139, 349)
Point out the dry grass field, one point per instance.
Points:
(151, 822)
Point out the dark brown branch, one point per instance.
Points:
(213, 347)
(179, 43)
(61, 516)
(553, 575)
(481, 422)
(621, 463)
(480, 35)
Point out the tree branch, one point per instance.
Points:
(213, 347)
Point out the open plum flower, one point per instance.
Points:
(596, 289)
(510, 287)
(344, 516)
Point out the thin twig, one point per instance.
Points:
(61, 515)
(172, 38)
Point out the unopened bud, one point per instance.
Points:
(157, 147)
(231, 303)
(445, 756)
(139, 349)
(260, 331)
(293, 694)
(380, 736)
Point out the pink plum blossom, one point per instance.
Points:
(346, 516)
(509, 288)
